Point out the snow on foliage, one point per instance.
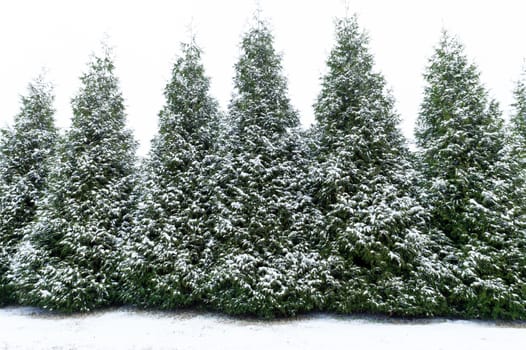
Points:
(246, 213)
(170, 247)
(24, 154)
(363, 182)
(86, 211)
(463, 150)
(264, 262)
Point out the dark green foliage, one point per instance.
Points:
(468, 182)
(264, 264)
(518, 118)
(516, 161)
(171, 247)
(249, 215)
(363, 186)
(68, 262)
(517, 148)
(24, 152)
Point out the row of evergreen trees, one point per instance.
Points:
(246, 213)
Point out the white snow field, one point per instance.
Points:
(27, 328)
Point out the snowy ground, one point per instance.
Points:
(26, 328)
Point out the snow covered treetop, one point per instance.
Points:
(518, 119)
(38, 104)
(99, 99)
(354, 105)
(261, 99)
(34, 132)
(455, 100)
(188, 104)
(453, 84)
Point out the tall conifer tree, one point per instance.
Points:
(265, 265)
(364, 188)
(24, 153)
(516, 162)
(170, 250)
(461, 138)
(517, 145)
(518, 118)
(68, 262)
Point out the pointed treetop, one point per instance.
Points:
(518, 119)
(191, 29)
(258, 13)
(453, 92)
(259, 23)
(261, 99)
(458, 125)
(352, 45)
(36, 111)
(188, 104)
(450, 61)
(347, 7)
(41, 82)
(101, 60)
(354, 100)
(34, 132)
(450, 44)
(40, 92)
(99, 100)
(106, 48)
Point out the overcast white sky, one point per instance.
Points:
(60, 35)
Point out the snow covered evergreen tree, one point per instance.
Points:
(462, 143)
(517, 146)
(364, 186)
(516, 162)
(170, 250)
(68, 262)
(264, 265)
(518, 119)
(24, 153)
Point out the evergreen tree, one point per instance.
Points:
(68, 262)
(518, 119)
(516, 161)
(24, 152)
(364, 180)
(170, 249)
(264, 263)
(462, 143)
(517, 144)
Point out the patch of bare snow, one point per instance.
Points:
(28, 328)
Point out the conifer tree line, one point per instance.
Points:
(247, 213)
